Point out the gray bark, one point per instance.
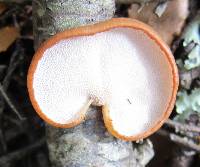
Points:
(133, 1)
(89, 144)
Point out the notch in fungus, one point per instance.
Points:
(121, 65)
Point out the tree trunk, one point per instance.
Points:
(89, 144)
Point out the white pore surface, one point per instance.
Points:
(121, 67)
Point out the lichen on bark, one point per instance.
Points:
(56, 15)
(89, 144)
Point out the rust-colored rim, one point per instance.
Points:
(90, 30)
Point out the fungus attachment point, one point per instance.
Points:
(120, 64)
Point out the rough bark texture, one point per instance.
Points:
(133, 1)
(89, 144)
(56, 15)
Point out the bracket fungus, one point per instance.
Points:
(120, 64)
